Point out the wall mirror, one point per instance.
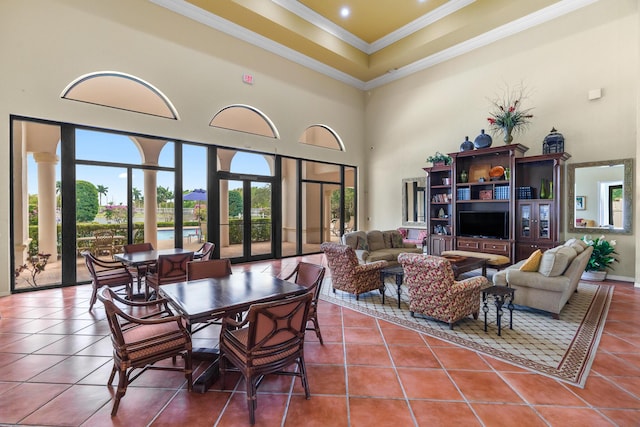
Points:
(414, 199)
(601, 197)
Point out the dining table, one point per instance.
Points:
(141, 259)
(205, 300)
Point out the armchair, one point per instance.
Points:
(310, 276)
(434, 292)
(107, 273)
(347, 274)
(170, 269)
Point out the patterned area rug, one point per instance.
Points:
(563, 349)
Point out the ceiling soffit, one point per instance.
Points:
(306, 32)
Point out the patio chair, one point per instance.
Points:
(169, 269)
(269, 340)
(205, 252)
(209, 268)
(104, 242)
(139, 309)
(310, 276)
(107, 273)
(139, 271)
(434, 292)
(347, 274)
(140, 343)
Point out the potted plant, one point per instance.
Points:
(602, 257)
(439, 159)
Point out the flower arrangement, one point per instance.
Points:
(603, 255)
(439, 158)
(508, 114)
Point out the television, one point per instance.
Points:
(494, 225)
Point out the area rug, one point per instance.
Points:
(560, 348)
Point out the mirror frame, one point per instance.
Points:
(422, 183)
(627, 191)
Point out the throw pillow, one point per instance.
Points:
(362, 244)
(396, 240)
(533, 262)
(375, 240)
(555, 261)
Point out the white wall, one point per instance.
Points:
(560, 61)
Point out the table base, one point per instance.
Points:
(501, 294)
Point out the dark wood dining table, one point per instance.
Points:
(203, 300)
(145, 258)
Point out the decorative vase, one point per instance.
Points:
(466, 145)
(596, 276)
(464, 176)
(483, 140)
(507, 134)
(543, 189)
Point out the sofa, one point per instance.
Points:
(376, 245)
(546, 281)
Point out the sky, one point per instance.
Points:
(98, 146)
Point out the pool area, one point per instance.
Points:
(169, 233)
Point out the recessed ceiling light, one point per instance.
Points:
(344, 12)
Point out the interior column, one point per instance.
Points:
(47, 233)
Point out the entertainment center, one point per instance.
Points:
(495, 200)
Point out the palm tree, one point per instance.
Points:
(137, 196)
(102, 190)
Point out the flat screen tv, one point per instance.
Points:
(494, 225)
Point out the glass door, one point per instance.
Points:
(246, 227)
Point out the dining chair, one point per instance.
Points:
(103, 243)
(140, 343)
(270, 339)
(169, 269)
(209, 268)
(107, 273)
(205, 252)
(139, 271)
(139, 309)
(310, 276)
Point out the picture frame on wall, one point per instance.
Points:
(581, 203)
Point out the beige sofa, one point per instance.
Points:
(375, 245)
(550, 287)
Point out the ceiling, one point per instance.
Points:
(381, 40)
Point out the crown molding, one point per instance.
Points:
(539, 17)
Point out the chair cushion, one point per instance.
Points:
(533, 262)
(352, 238)
(577, 244)
(146, 340)
(397, 240)
(556, 260)
(362, 245)
(376, 240)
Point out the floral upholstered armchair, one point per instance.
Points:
(347, 274)
(434, 292)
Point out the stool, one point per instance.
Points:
(501, 294)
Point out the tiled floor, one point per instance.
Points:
(55, 358)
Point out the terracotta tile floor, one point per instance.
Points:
(55, 358)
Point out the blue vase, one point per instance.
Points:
(466, 145)
(483, 140)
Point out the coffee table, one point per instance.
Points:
(459, 265)
(501, 294)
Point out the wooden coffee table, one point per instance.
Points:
(459, 265)
(464, 264)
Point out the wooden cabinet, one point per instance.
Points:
(527, 194)
(439, 244)
(539, 182)
(439, 208)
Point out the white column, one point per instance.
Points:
(20, 199)
(150, 208)
(47, 233)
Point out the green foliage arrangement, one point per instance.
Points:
(603, 255)
(439, 158)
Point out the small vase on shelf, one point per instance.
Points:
(543, 189)
(483, 140)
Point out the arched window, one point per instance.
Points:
(322, 136)
(119, 90)
(245, 118)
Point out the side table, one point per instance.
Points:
(396, 271)
(501, 294)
